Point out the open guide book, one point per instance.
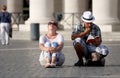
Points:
(91, 38)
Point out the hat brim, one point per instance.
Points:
(85, 20)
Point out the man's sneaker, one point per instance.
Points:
(79, 63)
(89, 62)
(95, 63)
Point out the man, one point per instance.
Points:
(87, 41)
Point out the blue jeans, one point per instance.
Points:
(59, 55)
(89, 48)
(48, 54)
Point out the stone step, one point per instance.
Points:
(106, 36)
(25, 35)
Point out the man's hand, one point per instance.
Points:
(82, 34)
(73, 36)
(95, 41)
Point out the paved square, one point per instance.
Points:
(20, 60)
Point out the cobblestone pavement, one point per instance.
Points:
(20, 60)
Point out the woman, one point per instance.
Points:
(51, 45)
(5, 25)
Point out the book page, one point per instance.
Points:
(91, 38)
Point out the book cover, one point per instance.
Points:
(91, 38)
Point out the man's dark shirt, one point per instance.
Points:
(95, 30)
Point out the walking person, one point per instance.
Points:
(51, 45)
(5, 25)
(87, 42)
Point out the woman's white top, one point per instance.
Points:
(43, 39)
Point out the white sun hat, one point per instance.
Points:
(87, 17)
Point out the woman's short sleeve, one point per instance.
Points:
(42, 39)
(60, 38)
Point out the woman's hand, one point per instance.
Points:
(52, 49)
(48, 49)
